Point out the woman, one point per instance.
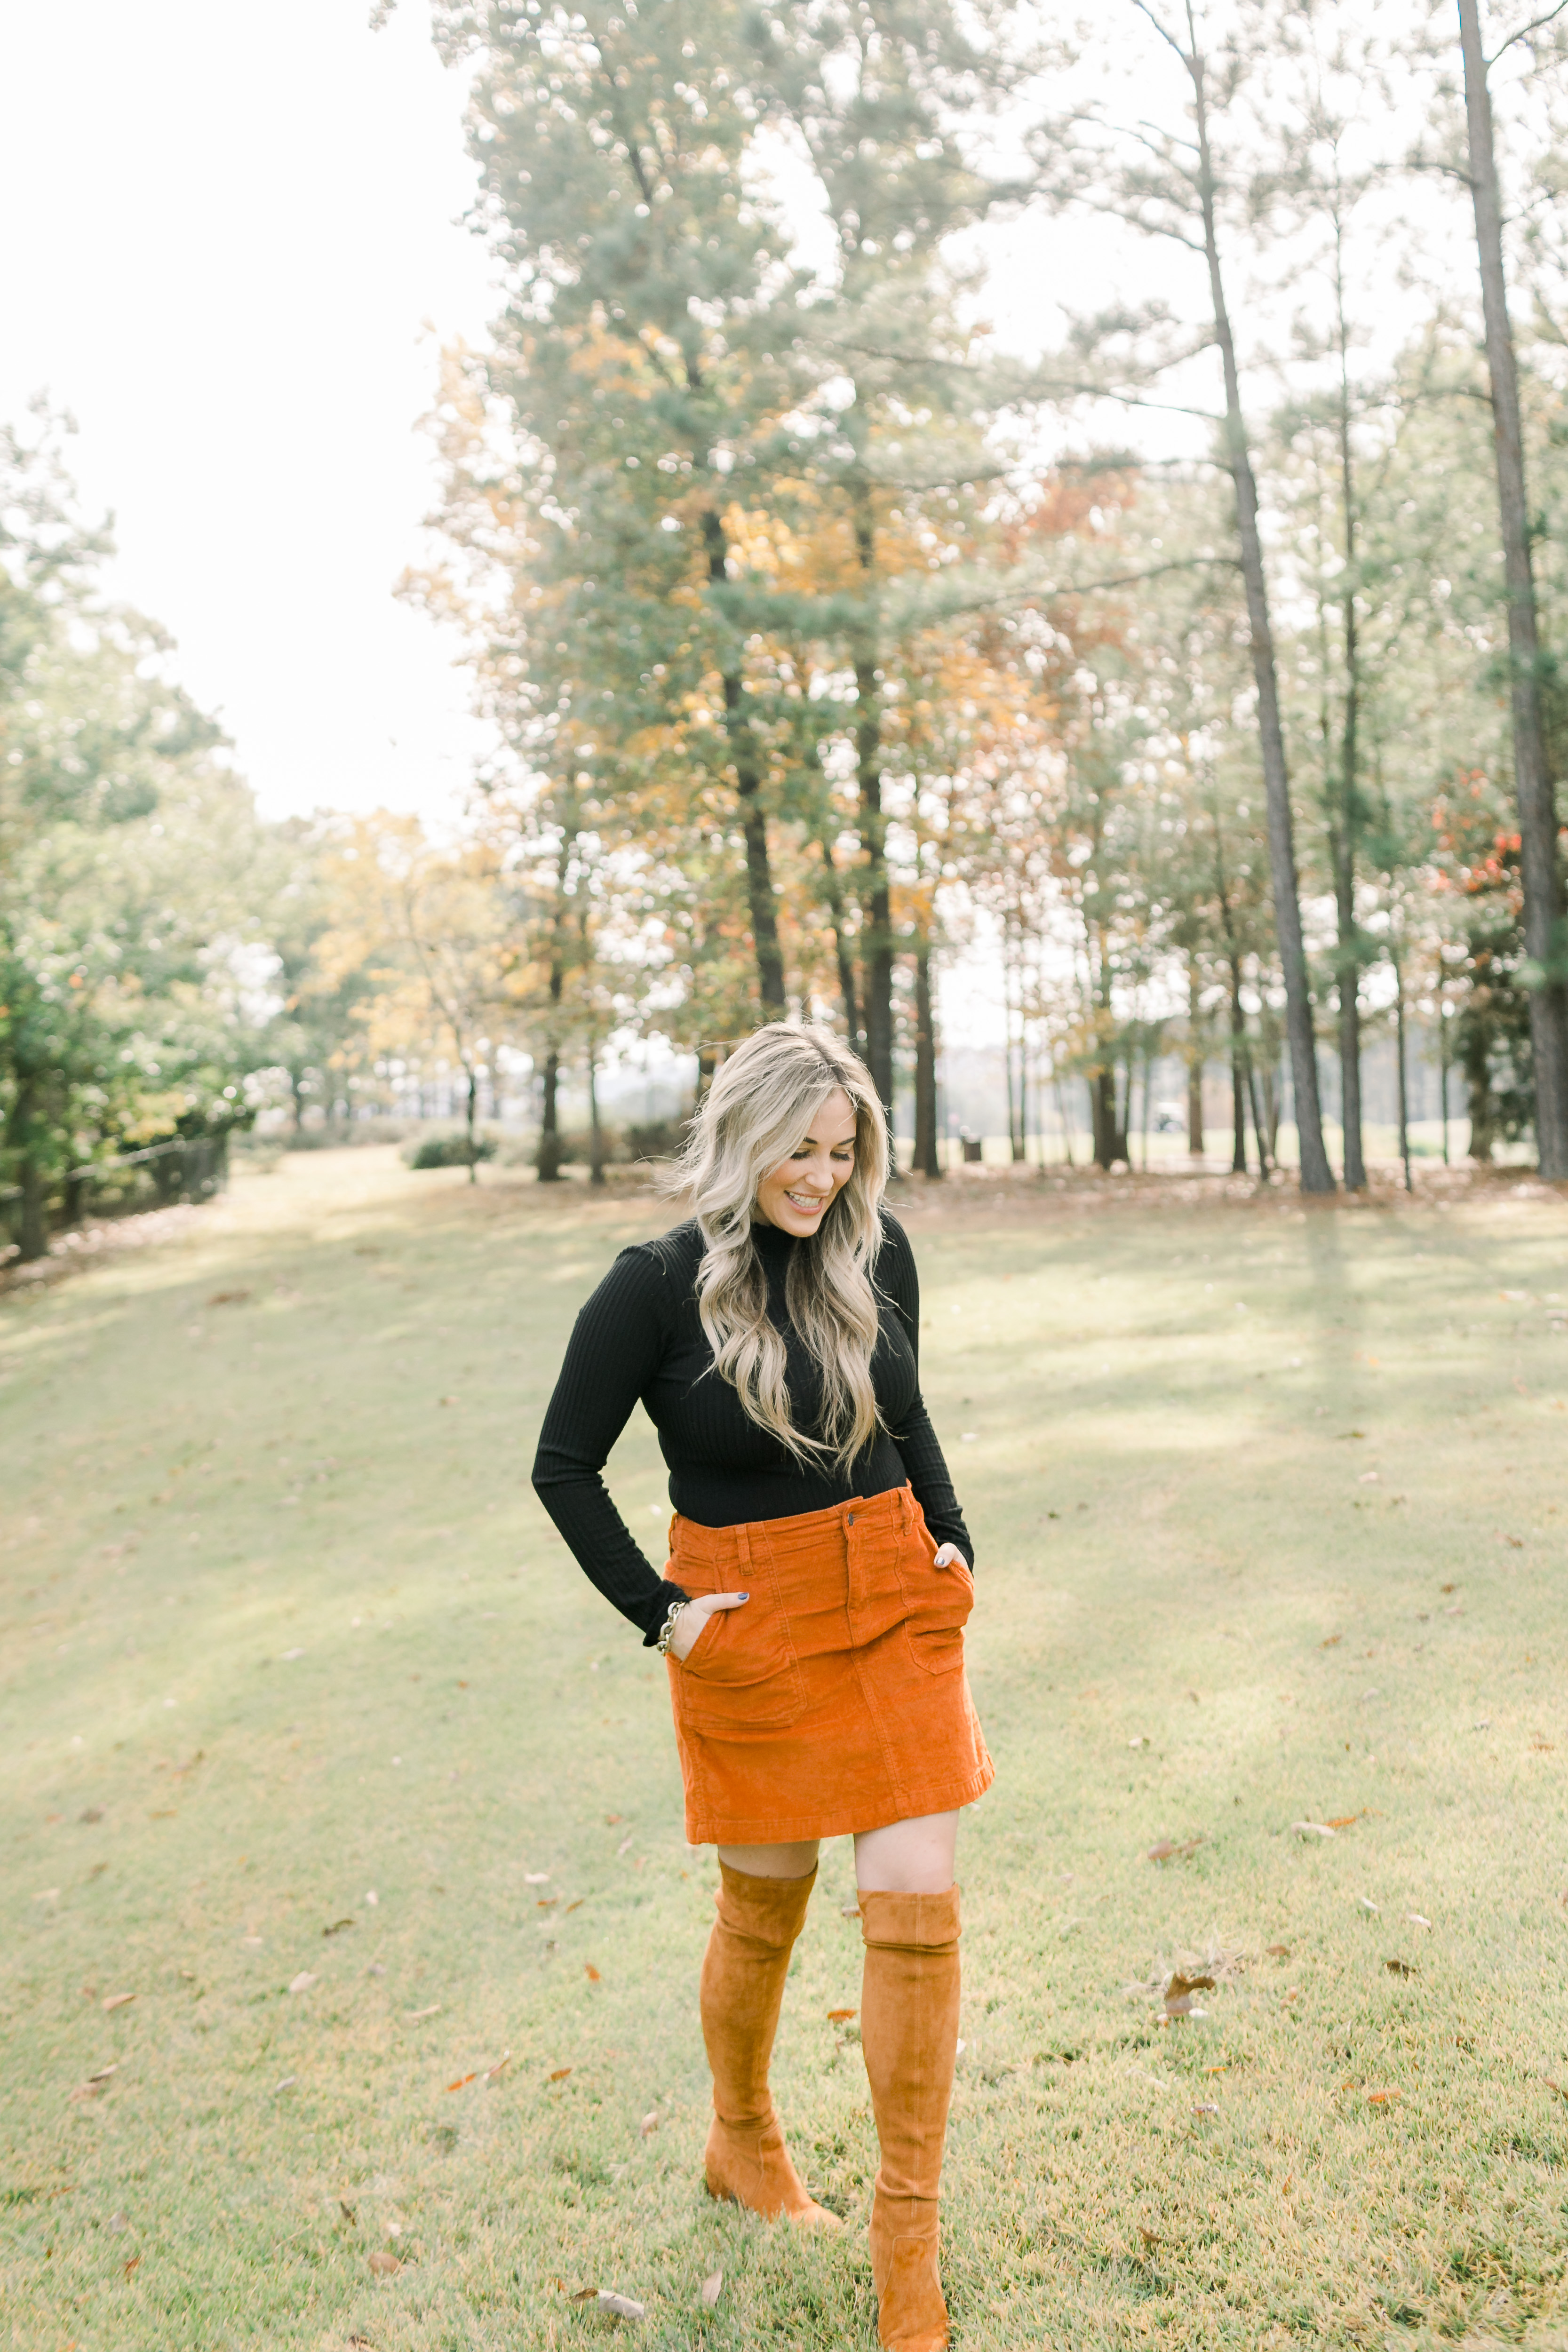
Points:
(813, 1615)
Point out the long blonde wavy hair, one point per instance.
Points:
(759, 1110)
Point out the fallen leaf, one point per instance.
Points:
(286, 2084)
(1149, 2238)
(586, 2295)
(91, 1813)
(1401, 1967)
(547, 1902)
(1205, 2107)
(1447, 1588)
(461, 2082)
(623, 1847)
(536, 1878)
(337, 1926)
(573, 1906)
(1313, 1829)
(347, 2210)
(229, 1298)
(413, 2015)
(1381, 2098)
(1179, 1994)
(290, 1655)
(621, 2306)
(384, 2265)
(1417, 1920)
(838, 2016)
(593, 1973)
(1278, 1951)
(712, 2288)
(1343, 1822)
(1542, 1747)
(118, 2000)
(849, 1910)
(1332, 1643)
(648, 2125)
(560, 2074)
(1365, 1903)
(610, 1819)
(130, 2265)
(302, 1982)
(1169, 1851)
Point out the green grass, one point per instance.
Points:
(1226, 1460)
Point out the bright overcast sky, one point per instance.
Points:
(229, 231)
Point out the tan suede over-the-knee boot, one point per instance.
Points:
(909, 2030)
(743, 1973)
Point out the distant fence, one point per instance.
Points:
(192, 1169)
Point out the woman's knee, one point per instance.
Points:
(912, 1857)
(795, 1860)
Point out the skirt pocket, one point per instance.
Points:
(742, 1675)
(937, 1605)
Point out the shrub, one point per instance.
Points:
(656, 1139)
(449, 1151)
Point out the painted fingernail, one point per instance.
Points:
(745, 1596)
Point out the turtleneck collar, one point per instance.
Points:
(772, 1244)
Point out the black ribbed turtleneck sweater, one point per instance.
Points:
(640, 1336)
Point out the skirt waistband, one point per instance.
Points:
(896, 1512)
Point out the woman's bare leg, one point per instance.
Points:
(797, 1861)
(906, 1858)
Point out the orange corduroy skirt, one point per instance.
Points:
(835, 1699)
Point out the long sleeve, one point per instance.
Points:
(614, 1350)
(898, 1280)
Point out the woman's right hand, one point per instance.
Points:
(688, 1625)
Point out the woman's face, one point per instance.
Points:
(797, 1194)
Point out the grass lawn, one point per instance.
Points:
(318, 1745)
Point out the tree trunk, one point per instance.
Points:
(1238, 1084)
(1404, 1082)
(762, 904)
(549, 1160)
(1533, 784)
(1316, 1174)
(928, 1160)
(472, 1111)
(877, 956)
(32, 1230)
(1194, 1068)
(1477, 1067)
(1346, 827)
(1062, 1118)
(1110, 1141)
(596, 1133)
(843, 951)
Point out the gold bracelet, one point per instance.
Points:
(667, 1628)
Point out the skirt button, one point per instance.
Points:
(851, 1521)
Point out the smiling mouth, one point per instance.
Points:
(807, 1204)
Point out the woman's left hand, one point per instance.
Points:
(948, 1556)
